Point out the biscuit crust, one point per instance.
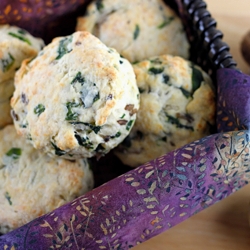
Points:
(177, 107)
(77, 99)
(32, 183)
(137, 29)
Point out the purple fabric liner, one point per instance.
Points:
(233, 103)
(42, 18)
(145, 201)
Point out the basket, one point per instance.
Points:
(117, 218)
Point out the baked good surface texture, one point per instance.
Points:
(177, 107)
(137, 29)
(15, 45)
(77, 99)
(32, 183)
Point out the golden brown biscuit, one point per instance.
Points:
(32, 183)
(137, 29)
(177, 107)
(15, 45)
(78, 98)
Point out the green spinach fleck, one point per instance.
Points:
(39, 109)
(165, 78)
(14, 153)
(99, 5)
(84, 141)
(118, 134)
(141, 90)
(7, 63)
(186, 93)
(64, 47)
(94, 128)
(176, 122)
(78, 78)
(136, 31)
(96, 98)
(21, 31)
(7, 196)
(197, 78)
(20, 37)
(156, 61)
(156, 71)
(129, 124)
(58, 151)
(166, 22)
(70, 114)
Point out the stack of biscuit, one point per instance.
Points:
(128, 86)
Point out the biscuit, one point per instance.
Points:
(15, 45)
(32, 183)
(177, 107)
(137, 29)
(78, 98)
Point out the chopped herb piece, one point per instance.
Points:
(118, 134)
(24, 125)
(135, 62)
(78, 78)
(21, 31)
(7, 63)
(96, 129)
(141, 90)
(96, 98)
(137, 31)
(14, 153)
(29, 137)
(165, 22)
(197, 78)
(64, 47)
(99, 5)
(176, 122)
(20, 37)
(39, 109)
(156, 71)
(156, 61)
(70, 114)
(186, 93)
(7, 196)
(58, 151)
(166, 78)
(120, 61)
(84, 141)
(130, 123)
(122, 116)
